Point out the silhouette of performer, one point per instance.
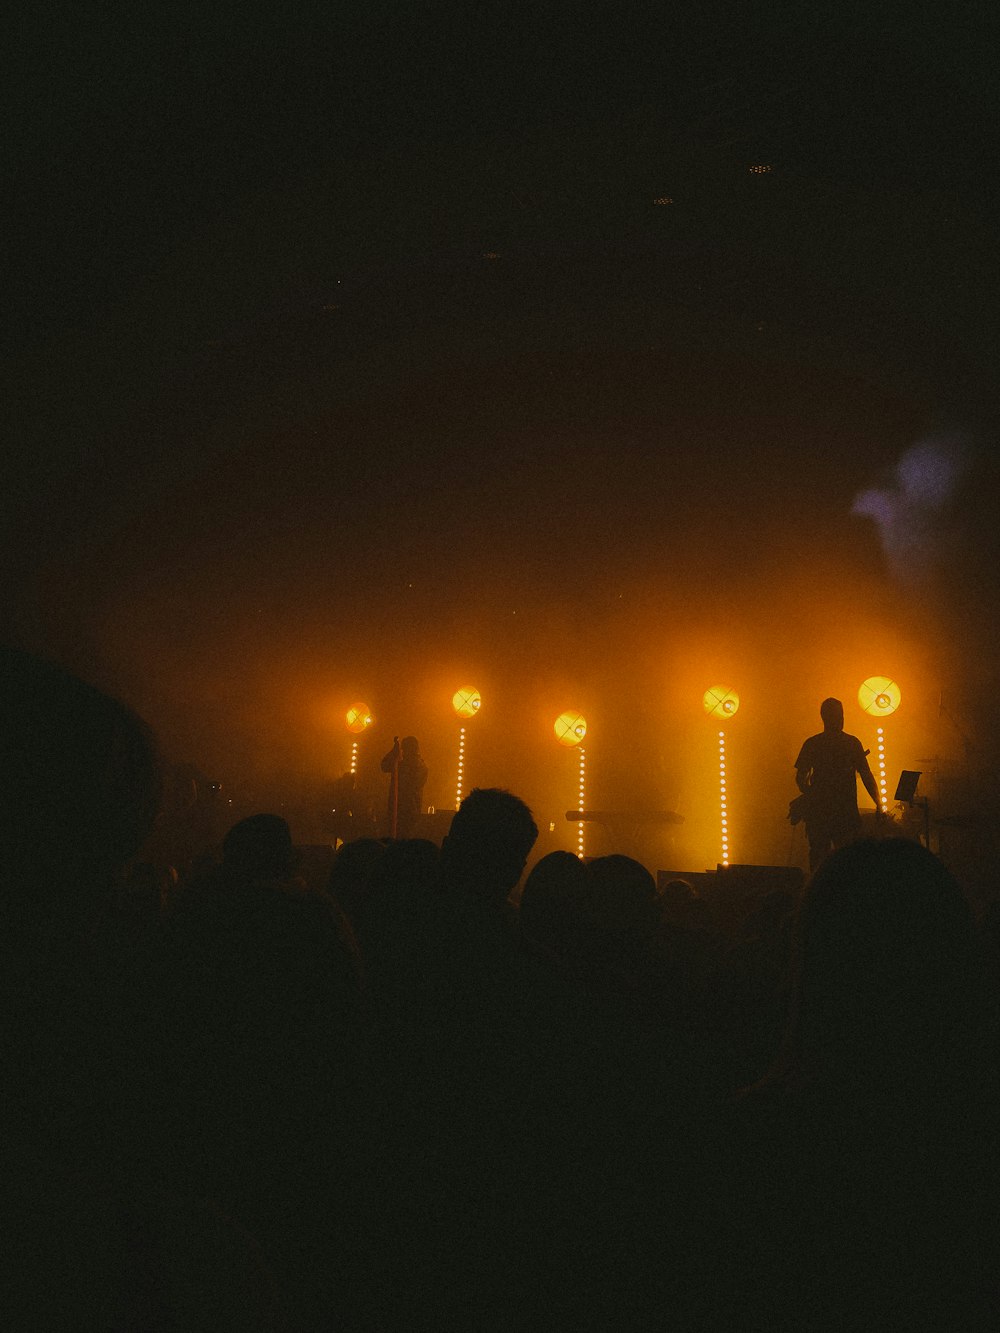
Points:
(406, 786)
(826, 772)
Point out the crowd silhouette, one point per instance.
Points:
(414, 1089)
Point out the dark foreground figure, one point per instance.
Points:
(188, 1129)
(858, 1184)
(233, 1109)
(78, 792)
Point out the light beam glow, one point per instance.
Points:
(911, 510)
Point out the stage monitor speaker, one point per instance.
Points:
(734, 891)
(737, 879)
(433, 826)
(740, 889)
(702, 881)
(763, 879)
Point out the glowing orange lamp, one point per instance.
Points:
(359, 717)
(466, 701)
(720, 701)
(570, 728)
(879, 696)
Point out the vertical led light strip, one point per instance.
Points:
(461, 766)
(723, 810)
(354, 756)
(581, 802)
(881, 769)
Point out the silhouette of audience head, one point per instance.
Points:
(770, 914)
(552, 903)
(402, 890)
(488, 843)
(80, 785)
(622, 899)
(410, 865)
(258, 848)
(677, 893)
(350, 876)
(889, 968)
(832, 713)
(683, 907)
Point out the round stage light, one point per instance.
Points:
(466, 701)
(879, 696)
(358, 717)
(720, 701)
(570, 728)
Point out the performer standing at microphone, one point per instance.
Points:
(406, 785)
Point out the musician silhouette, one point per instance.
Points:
(408, 774)
(826, 773)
